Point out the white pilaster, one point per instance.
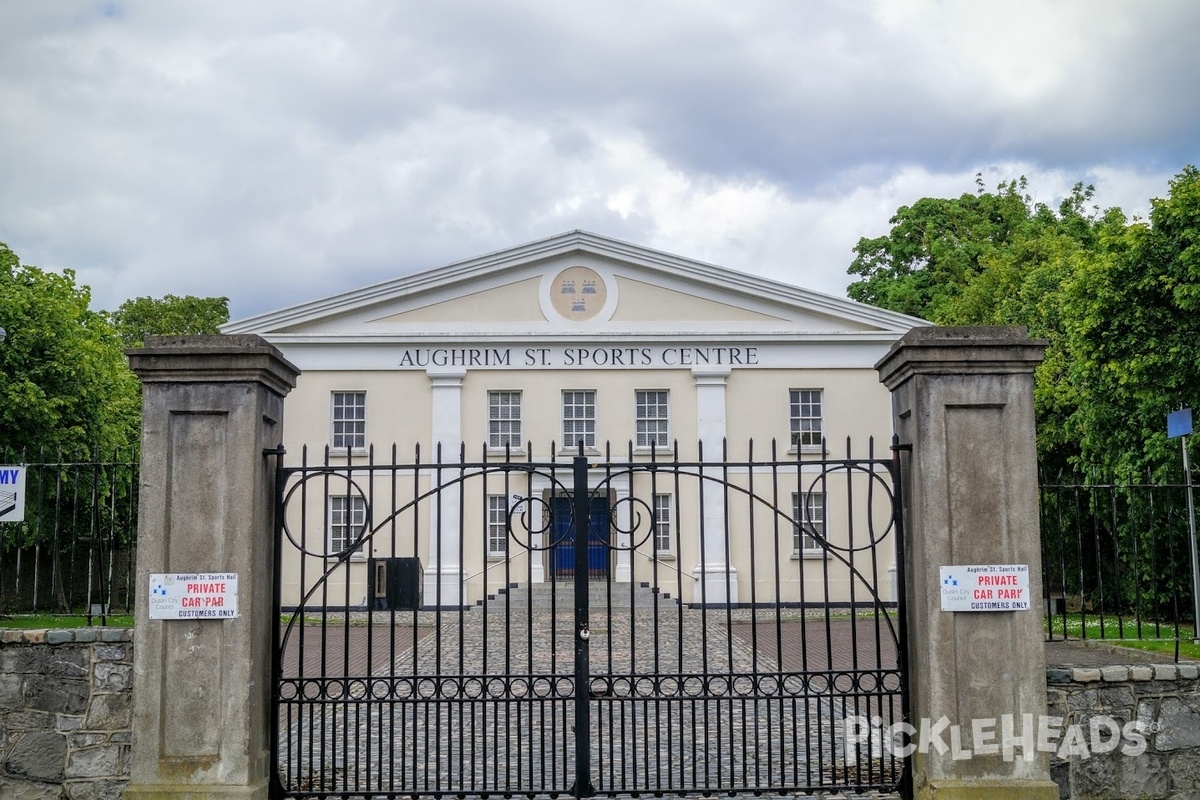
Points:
(624, 567)
(537, 570)
(444, 584)
(717, 577)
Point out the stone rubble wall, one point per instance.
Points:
(66, 706)
(1164, 698)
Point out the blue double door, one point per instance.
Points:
(564, 536)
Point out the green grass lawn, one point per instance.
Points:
(1160, 639)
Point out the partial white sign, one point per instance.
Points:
(196, 595)
(12, 493)
(985, 587)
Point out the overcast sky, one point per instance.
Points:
(277, 152)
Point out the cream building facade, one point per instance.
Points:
(521, 355)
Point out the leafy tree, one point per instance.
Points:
(1023, 285)
(172, 315)
(1119, 304)
(992, 259)
(1135, 333)
(70, 408)
(937, 246)
(64, 381)
(66, 395)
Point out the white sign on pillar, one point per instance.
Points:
(985, 587)
(195, 595)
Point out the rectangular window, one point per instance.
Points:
(662, 524)
(579, 418)
(349, 421)
(810, 523)
(807, 428)
(347, 516)
(497, 526)
(504, 420)
(653, 421)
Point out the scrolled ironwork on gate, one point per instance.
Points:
(585, 625)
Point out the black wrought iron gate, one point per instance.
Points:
(432, 643)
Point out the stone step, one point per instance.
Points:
(562, 595)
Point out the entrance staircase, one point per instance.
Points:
(561, 596)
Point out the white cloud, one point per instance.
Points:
(276, 153)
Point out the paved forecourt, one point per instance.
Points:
(492, 708)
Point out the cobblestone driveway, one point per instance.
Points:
(681, 700)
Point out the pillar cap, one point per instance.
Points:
(711, 374)
(972, 350)
(225, 358)
(446, 376)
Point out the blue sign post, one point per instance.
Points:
(1179, 423)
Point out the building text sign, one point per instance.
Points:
(985, 587)
(12, 494)
(577, 357)
(194, 595)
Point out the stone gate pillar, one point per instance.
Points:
(963, 398)
(210, 406)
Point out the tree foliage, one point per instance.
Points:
(1135, 331)
(70, 407)
(65, 384)
(66, 395)
(64, 381)
(1116, 301)
(938, 248)
(169, 316)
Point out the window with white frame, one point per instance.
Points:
(347, 516)
(497, 525)
(808, 430)
(662, 524)
(653, 418)
(349, 421)
(579, 418)
(504, 420)
(808, 510)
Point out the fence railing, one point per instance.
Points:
(1116, 559)
(1116, 556)
(73, 554)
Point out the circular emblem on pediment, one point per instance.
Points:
(578, 294)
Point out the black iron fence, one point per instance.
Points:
(1117, 559)
(447, 632)
(73, 553)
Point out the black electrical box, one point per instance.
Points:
(396, 583)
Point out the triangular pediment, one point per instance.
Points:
(575, 283)
(642, 301)
(512, 302)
